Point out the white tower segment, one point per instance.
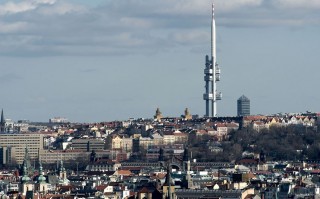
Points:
(212, 74)
(213, 35)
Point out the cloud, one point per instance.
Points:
(60, 8)
(186, 37)
(12, 27)
(58, 27)
(231, 5)
(136, 22)
(12, 7)
(89, 70)
(297, 4)
(8, 78)
(36, 99)
(44, 1)
(284, 13)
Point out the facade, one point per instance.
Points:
(88, 144)
(243, 106)
(127, 144)
(117, 142)
(145, 142)
(17, 143)
(49, 157)
(52, 156)
(6, 154)
(60, 120)
(168, 138)
(9, 126)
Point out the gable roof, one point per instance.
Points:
(124, 172)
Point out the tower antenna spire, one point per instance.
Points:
(212, 74)
(212, 9)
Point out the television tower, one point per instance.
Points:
(212, 74)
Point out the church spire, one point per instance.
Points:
(2, 122)
(26, 162)
(168, 180)
(41, 178)
(161, 155)
(25, 178)
(185, 154)
(2, 118)
(168, 186)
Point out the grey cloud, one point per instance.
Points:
(132, 26)
(89, 70)
(9, 78)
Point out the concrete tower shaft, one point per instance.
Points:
(212, 74)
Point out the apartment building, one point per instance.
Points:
(13, 146)
(87, 144)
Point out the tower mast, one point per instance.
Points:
(213, 58)
(212, 74)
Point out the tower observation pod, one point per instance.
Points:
(212, 75)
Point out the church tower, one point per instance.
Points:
(2, 123)
(186, 160)
(26, 184)
(161, 155)
(62, 174)
(27, 163)
(42, 185)
(168, 189)
(187, 169)
(262, 157)
(187, 115)
(158, 115)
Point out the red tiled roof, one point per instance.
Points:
(234, 125)
(101, 187)
(254, 117)
(220, 125)
(124, 172)
(315, 171)
(202, 132)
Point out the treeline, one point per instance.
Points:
(278, 143)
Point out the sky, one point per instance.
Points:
(103, 60)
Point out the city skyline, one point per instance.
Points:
(107, 60)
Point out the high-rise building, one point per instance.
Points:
(17, 143)
(243, 106)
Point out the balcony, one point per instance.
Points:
(208, 96)
(208, 71)
(208, 78)
(218, 96)
(217, 69)
(217, 77)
